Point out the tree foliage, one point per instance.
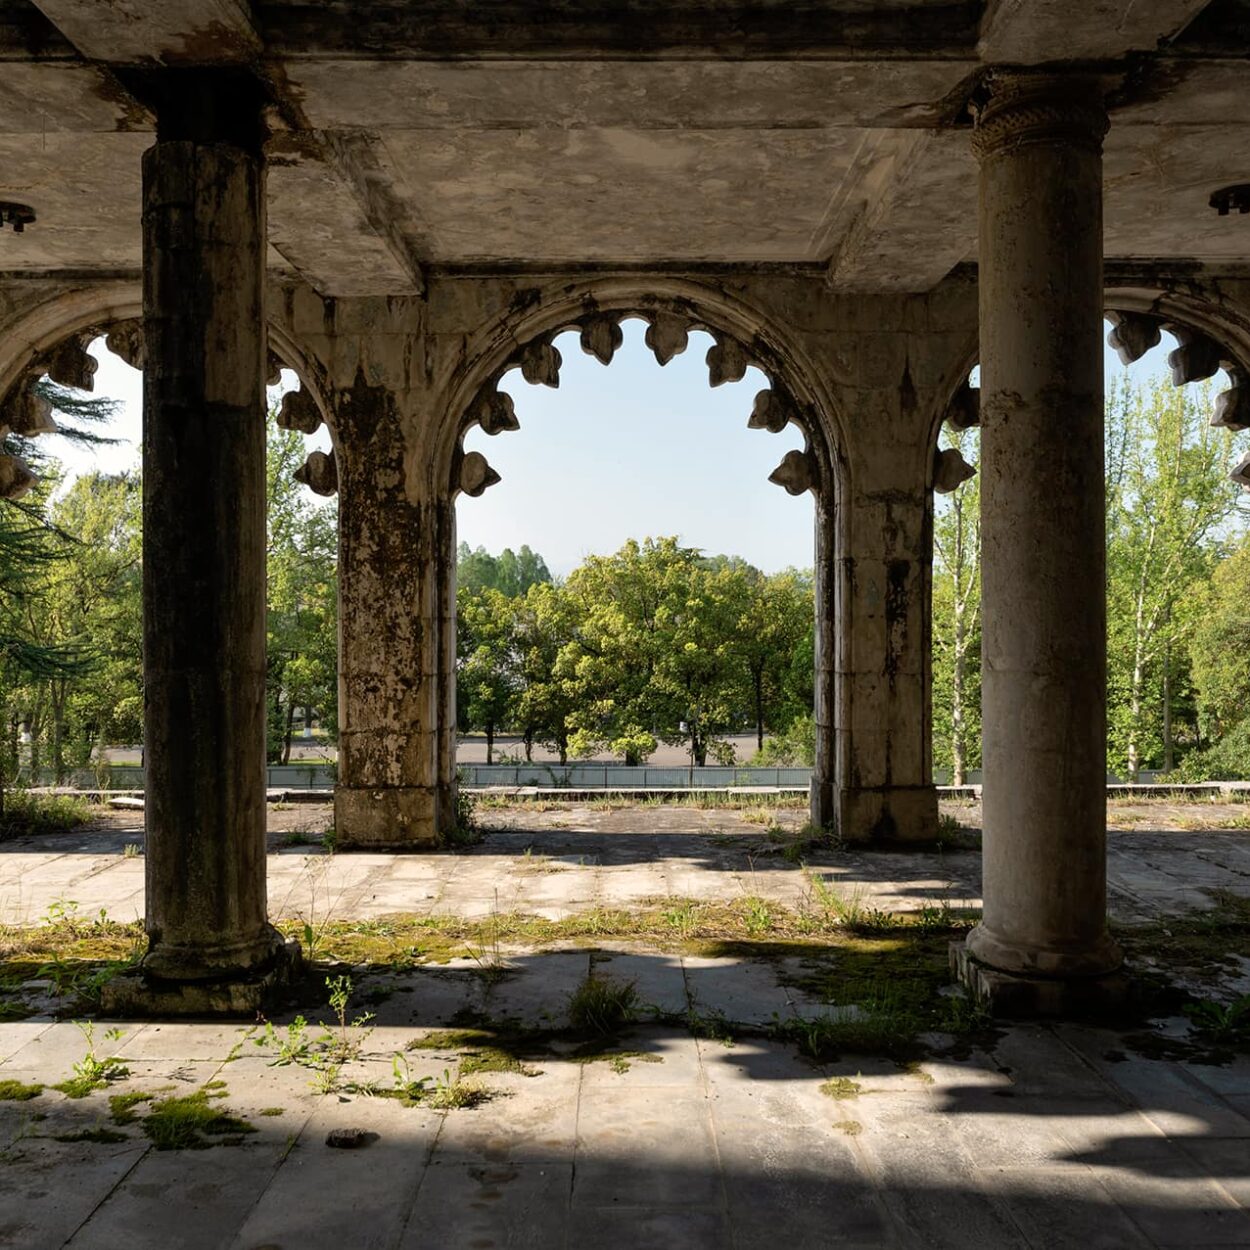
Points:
(653, 643)
(302, 618)
(957, 621)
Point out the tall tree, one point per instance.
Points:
(1169, 502)
(772, 637)
(956, 629)
(302, 618)
(488, 681)
(546, 626)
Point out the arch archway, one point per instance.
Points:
(522, 338)
(1212, 334)
(33, 332)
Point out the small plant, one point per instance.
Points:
(684, 917)
(345, 1043)
(451, 1094)
(713, 1025)
(91, 1072)
(464, 830)
(292, 1045)
(601, 1007)
(132, 850)
(758, 915)
(410, 1092)
(1221, 1023)
(965, 1013)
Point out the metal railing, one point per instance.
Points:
(623, 777)
(131, 777)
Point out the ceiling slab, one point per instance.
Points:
(150, 32)
(912, 225)
(621, 194)
(432, 95)
(1034, 32)
(41, 96)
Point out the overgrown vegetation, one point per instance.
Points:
(26, 814)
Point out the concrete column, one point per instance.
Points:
(829, 762)
(204, 538)
(885, 784)
(1039, 143)
(396, 614)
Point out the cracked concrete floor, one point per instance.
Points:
(1048, 1137)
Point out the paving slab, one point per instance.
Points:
(322, 1196)
(523, 1206)
(645, 1148)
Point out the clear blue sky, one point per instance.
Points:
(625, 451)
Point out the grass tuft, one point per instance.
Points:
(193, 1123)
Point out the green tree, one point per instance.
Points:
(773, 639)
(511, 573)
(302, 618)
(94, 604)
(956, 633)
(655, 656)
(36, 655)
(1220, 654)
(1169, 504)
(488, 682)
(546, 627)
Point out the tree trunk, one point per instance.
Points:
(1134, 711)
(490, 743)
(290, 729)
(56, 695)
(529, 744)
(959, 729)
(759, 709)
(1168, 760)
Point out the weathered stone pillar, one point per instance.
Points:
(395, 784)
(885, 787)
(210, 944)
(1039, 143)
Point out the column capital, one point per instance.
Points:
(203, 104)
(1038, 107)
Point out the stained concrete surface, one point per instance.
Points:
(1052, 1136)
(555, 859)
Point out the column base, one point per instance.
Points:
(143, 996)
(823, 803)
(887, 814)
(1030, 996)
(378, 818)
(1098, 959)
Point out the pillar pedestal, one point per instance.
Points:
(1039, 143)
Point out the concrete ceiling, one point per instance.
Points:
(644, 132)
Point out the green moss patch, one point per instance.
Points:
(122, 1106)
(104, 1136)
(193, 1123)
(17, 1091)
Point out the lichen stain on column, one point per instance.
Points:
(388, 792)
